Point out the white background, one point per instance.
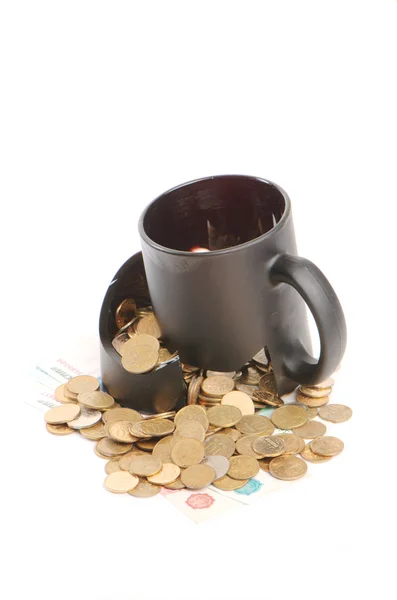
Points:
(104, 105)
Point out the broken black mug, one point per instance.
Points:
(225, 280)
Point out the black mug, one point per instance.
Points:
(225, 280)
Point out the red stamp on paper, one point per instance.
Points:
(200, 501)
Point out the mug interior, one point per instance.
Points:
(214, 213)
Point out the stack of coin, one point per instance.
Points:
(138, 339)
(223, 444)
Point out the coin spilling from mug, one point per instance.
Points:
(233, 424)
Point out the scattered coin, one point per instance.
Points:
(60, 394)
(139, 360)
(175, 485)
(192, 413)
(247, 389)
(267, 383)
(85, 419)
(187, 452)
(198, 476)
(61, 429)
(141, 340)
(145, 489)
(158, 427)
(243, 467)
(82, 383)
(233, 433)
(217, 386)
(228, 484)
(264, 464)
(219, 445)
(314, 392)
(97, 400)
(112, 466)
(118, 342)
(145, 465)
(125, 312)
(121, 482)
(121, 414)
(312, 402)
(289, 416)
(95, 432)
(336, 413)
(268, 445)
(308, 454)
(190, 429)
(310, 430)
(312, 412)
(255, 424)
(147, 445)
(287, 467)
(219, 463)
(149, 325)
(162, 449)
(194, 389)
(244, 445)
(110, 447)
(168, 473)
(268, 398)
(137, 431)
(327, 446)
(124, 460)
(293, 444)
(62, 414)
(224, 415)
(120, 432)
(239, 400)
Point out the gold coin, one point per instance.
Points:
(289, 416)
(187, 452)
(255, 424)
(240, 400)
(98, 400)
(175, 485)
(168, 473)
(243, 467)
(312, 402)
(121, 414)
(110, 447)
(250, 376)
(141, 340)
(192, 413)
(268, 398)
(60, 394)
(61, 429)
(308, 454)
(145, 465)
(82, 383)
(120, 432)
(244, 445)
(217, 386)
(124, 461)
(314, 392)
(136, 430)
(267, 383)
(264, 464)
(114, 405)
(234, 434)
(62, 414)
(327, 446)
(229, 374)
(139, 360)
(219, 445)
(158, 427)
(85, 419)
(288, 467)
(95, 432)
(149, 325)
(112, 466)
(146, 445)
(247, 389)
(312, 412)
(310, 430)
(162, 449)
(118, 342)
(224, 415)
(194, 389)
(292, 443)
(100, 454)
(190, 429)
(69, 395)
(219, 463)
(269, 445)
(336, 413)
(228, 484)
(165, 415)
(125, 312)
(145, 489)
(196, 477)
(121, 482)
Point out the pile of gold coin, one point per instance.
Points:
(217, 438)
(138, 339)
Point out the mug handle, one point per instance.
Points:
(325, 307)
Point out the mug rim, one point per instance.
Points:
(287, 211)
